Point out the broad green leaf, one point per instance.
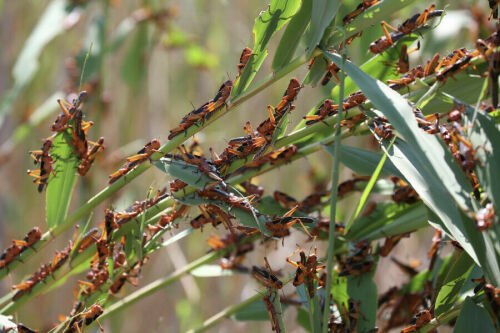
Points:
(186, 172)
(292, 36)
(266, 25)
(50, 25)
(212, 271)
(473, 319)
(323, 12)
(454, 281)
(426, 163)
(364, 162)
(60, 186)
(363, 290)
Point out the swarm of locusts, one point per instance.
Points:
(223, 200)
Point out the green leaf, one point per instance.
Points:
(323, 12)
(426, 163)
(473, 318)
(60, 187)
(266, 25)
(364, 162)
(363, 290)
(51, 24)
(186, 172)
(292, 35)
(453, 283)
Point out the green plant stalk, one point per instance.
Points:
(230, 310)
(333, 204)
(168, 147)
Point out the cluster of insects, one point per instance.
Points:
(71, 119)
(111, 268)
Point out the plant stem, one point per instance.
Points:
(333, 204)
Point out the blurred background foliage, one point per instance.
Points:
(149, 62)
